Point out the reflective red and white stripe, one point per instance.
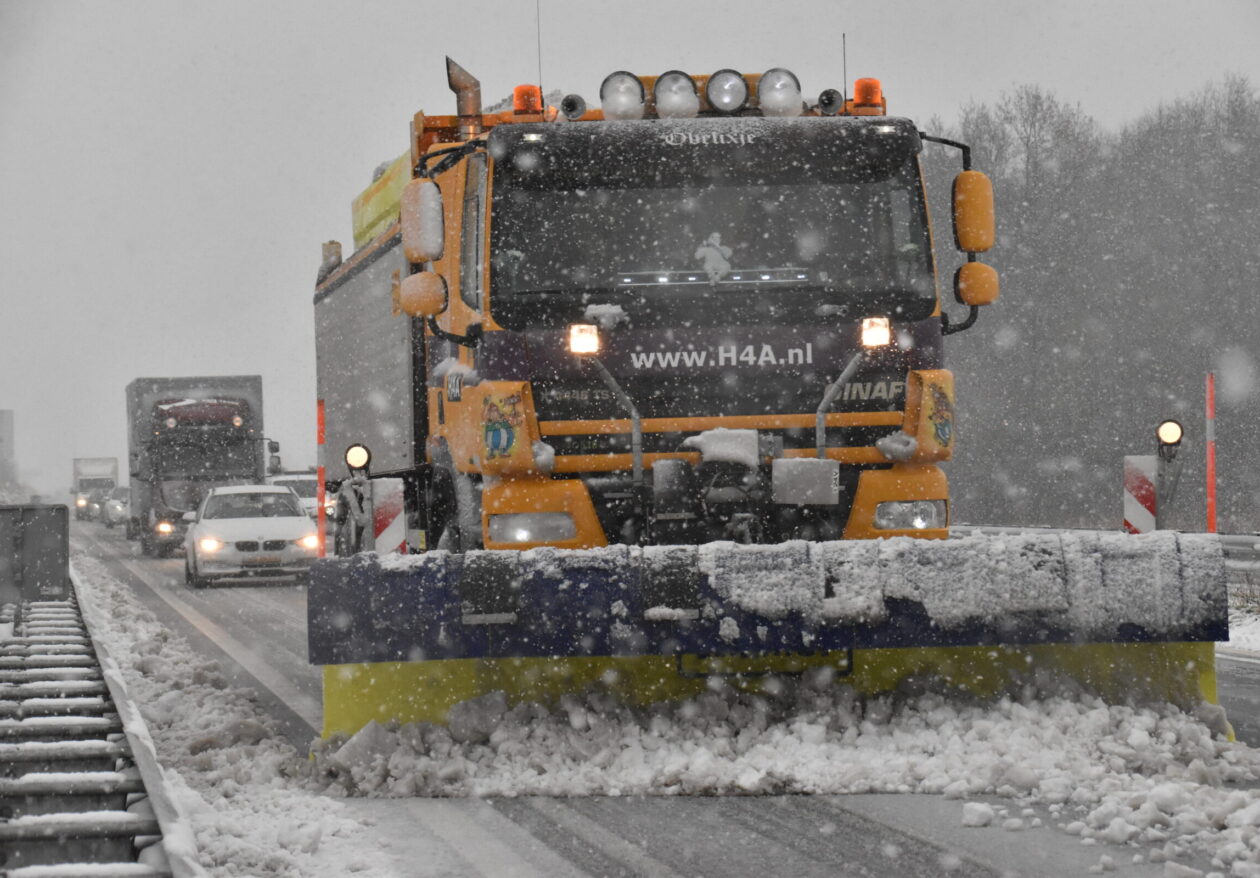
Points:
(321, 518)
(389, 519)
(1139, 493)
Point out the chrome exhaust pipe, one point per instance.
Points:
(467, 90)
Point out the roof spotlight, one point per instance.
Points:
(726, 91)
(830, 102)
(675, 95)
(573, 107)
(622, 96)
(779, 93)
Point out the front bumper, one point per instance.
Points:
(229, 563)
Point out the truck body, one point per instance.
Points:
(663, 384)
(185, 436)
(92, 479)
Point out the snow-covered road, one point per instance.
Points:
(1055, 789)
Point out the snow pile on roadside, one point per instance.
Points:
(1154, 776)
(234, 777)
(1244, 630)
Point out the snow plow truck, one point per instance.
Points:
(649, 394)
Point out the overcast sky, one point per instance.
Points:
(169, 169)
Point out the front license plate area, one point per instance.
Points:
(262, 561)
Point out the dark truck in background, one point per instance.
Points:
(185, 436)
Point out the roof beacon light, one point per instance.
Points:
(583, 339)
(726, 91)
(527, 99)
(676, 96)
(779, 93)
(622, 96)
(868, 92)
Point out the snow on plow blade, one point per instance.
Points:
(601, 608)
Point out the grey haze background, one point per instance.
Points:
(168, 170)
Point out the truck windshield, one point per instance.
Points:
(814, 210)
(253, 506)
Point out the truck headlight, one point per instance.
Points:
(532, 527)
(583, 339)
(165, 527)
(911, 515)
(209, 544)
(80, 502)
(876, 332)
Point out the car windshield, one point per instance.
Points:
(260, 505)
(301, 487)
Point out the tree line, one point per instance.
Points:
(1130, 269)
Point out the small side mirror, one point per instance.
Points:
(189, 517)
(973, 212)
(423, 294)
(422, 218)
(273, 446)
(976, 284)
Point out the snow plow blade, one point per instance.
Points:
(407, 637)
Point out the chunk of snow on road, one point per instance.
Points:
(977, 814)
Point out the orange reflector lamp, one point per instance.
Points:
(527, 99)
(583, 339)
(868, 92)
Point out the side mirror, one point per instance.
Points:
(973, 212)
(274, 464)
(273, 446)
(976, 284)
(423, 294)
(421, 215)
(189, 517)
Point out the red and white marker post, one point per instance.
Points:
(1139, 493)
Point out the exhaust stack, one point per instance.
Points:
(467, 90)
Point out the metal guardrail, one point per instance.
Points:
(1242, 558)
(81, 791)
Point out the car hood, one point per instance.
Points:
(232, 529)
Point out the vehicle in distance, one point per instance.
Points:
(304, 485)
(243, 531)
(186, 436)
(116, 507)
(92, 476)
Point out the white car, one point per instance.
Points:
(304, 485)
(117, 507)
(243, 531)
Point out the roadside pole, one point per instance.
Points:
(1211, 452)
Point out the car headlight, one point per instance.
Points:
(532, 527)
(165, 527)
(911, 515)
(80, 502)
(209, 544)
(310, 541)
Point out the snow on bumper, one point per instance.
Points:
(728, 599)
